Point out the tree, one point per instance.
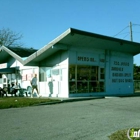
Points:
(9, 38)
(136, 72)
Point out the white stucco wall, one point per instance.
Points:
(58, 65)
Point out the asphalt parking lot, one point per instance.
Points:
(82, 120)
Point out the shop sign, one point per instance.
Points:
(4, 65)
(87, 58)
(121, 72)
(81, 58)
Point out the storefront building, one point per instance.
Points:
(79, 63)
(12, 70)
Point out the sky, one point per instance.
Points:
(41, 21)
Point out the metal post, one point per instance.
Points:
(131, 36)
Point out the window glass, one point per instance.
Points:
(82, 86)
(72, 87)
(4, 80)
(102, 73)
(72, 79)
(84, 79)
(72, 73)
(44, 73)
(92, 86)
(102, 86)
(0, 80)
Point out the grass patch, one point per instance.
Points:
(15, 102)
(121, 135)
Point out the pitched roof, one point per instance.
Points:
(80, 39)
(15, 52)
(22, 52)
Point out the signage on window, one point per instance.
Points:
(4, 65)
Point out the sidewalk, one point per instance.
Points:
(74, 99)
(64, 100)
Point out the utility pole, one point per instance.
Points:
(131, 36)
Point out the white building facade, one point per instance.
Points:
(82, 64)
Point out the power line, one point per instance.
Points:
(125, 36)
(130, 32)
(136, 32)
(121, 31)
(136, 24)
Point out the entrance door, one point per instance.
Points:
(55, 80)
(64, 83)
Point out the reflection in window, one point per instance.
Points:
(102, 73)
(87, 72)
(84, 79)
(82, 86)
(4, 80)
(72, 86)
(44, 73)
(72, 73)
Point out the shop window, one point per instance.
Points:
(83, 76)
(4, 80)
(93, 86)
(72, 79)
(82, 86)
(72, 73)
(0, 80)
(44, 73)
(102, 86)
(102, 73)
(42, 77)
(84, 79)
(72, 87)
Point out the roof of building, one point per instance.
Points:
(78, 38)
(15, 52)
(22, 52)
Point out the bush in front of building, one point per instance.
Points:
(136, 72)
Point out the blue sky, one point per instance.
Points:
(40, 21)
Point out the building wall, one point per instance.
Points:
(118, 70)
(54, 71)
(119, 73)
(22, 75)
(87, 64)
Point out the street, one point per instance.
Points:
(83, 120)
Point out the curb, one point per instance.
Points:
(68, 100)
(83, 99)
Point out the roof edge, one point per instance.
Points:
(12, 54)
(73, 30)
(46, 47)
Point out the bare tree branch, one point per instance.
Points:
(9, 38)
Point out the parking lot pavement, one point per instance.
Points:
(83, 120)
